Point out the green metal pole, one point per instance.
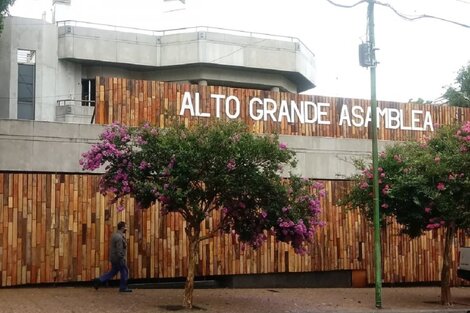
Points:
(375, 161)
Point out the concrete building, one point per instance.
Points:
(54, 220)
(48, 70)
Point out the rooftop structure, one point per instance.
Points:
(45, 65)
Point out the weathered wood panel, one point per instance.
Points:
(56, 228)
(134, 102)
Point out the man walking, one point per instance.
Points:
(117, 257)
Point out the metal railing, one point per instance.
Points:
(89, 103)
(160, 33)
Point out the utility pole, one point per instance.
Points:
(367, 59)
(375, 161)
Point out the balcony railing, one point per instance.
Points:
(72, 107)
(159, 33)
(89, 103)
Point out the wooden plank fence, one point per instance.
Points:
(56, 228)
(134, 102)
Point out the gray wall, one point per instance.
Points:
(6, 61)
(44, 146)
(54, 79)
(328, 158)
(224, 57)
(65, 54)
(57, 147)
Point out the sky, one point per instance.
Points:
(417, 59)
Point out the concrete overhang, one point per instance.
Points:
(57, 147)
(220, 55)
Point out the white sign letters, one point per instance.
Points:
(307, 112)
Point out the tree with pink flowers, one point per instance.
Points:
(424, 186)
(194, 171)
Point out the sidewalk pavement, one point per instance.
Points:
(302, 300)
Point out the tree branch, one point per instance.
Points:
(212, 233)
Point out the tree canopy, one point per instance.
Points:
(459, 95)
(425, 186)
(4, 4)
(198, 170)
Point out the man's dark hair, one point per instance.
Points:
(121, 225)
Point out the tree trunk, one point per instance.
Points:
(445, 273)
(193, 238)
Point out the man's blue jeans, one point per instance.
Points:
(120, 267)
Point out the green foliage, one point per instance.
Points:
(195, 171)
(221, 163)
(460, 95)
(423, 185)
(4, 4)
(419, 101)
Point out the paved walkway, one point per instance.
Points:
(88, 300)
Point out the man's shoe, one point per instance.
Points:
(125, 290)
(96, 283)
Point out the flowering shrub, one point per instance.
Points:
(421, 184)
(424, 186)
(115, 150)
(298, 221)
(195, 171)
(463, 135)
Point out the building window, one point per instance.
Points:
(26, 83)
(88, 92)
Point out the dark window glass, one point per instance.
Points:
(26, 91)
(88, 92)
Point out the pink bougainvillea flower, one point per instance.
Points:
(143, 165)
(318, 185)
(231, 165)
(466, 127)
(427, 210)
(441, 186)
(164, 199)
(367, 173)
(386, 190)
(283, 146)
(433, 226)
